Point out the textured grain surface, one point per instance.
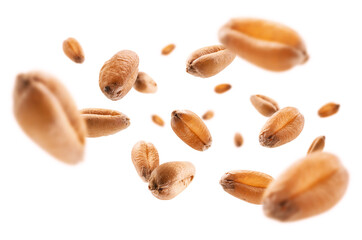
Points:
(282, 127)
(264, 105)
(145, 84)
(209, 61)
(145, 159)
(328, 109)
(309, 187)
(48, 115)
(191, 129)
(170, 179)
(317, 145)
(103, 122)
(246, 185)
(73, 50)
(119, 74)
(267, 44)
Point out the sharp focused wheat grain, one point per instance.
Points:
(309, 187)
(265, 105)
(246, 185)
(119, 74)
(317, 145)
(267, 44)
(191, 129)
(48, 115)
(145, 159)
(73, 50)
(328, 109)
(170, 179)
(209, 61)
(104, 122)
(282, 127)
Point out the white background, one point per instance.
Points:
(103, 197)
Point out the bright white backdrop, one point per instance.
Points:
(103, 197)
